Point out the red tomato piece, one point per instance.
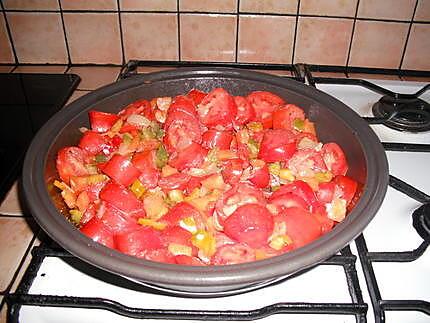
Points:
(128, 128)
(102, 121)
(231, 254)
(260, 175)
(325, 192)
(145, 163)
(178, 212)
(334, 158)
(288, 200)
(232, 171)
(277, 145)
(217, 110)
(302, 226)
(346, 186)
(159, 255)
(245, 111)
(188, 261)
(123, 199)
(196, 95)
(121, 170)
(176, 181)
(307, 161)
(139, 242)
(190, 157)
(92, 142)
(284, 116)
(264, 103)
(99, 232)
(356, 197)
(71, 162)
(178, 235)
(142, 107)
(251, 224)
(116, 220)
(181, 133)
(215, 138)
(299, 188)
(325, 223)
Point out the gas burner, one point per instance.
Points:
(421, 221)
(404, 112)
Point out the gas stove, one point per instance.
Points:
(382, 276)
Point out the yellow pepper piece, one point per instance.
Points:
(179, 249)
(255, 126)
(274, 168)
(324, 177)
(280, 242)
(188, 224)
(298, 124)
(75, 216)
(176, 196)
(194, 194)
(137, 188)
(205, 241)
(152, 223)
(286, 174)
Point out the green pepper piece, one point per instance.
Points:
(161, 157)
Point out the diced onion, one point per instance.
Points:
(138, 120)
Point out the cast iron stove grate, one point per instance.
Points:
(357, 307)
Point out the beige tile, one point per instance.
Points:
(416, 79)
(341, 8)
(93, 37)
(6, 53)
(31, 4)
(16, 234)
(148, 5)
(12, 204)
(6, 69)
(373, 76)
(269, 6)
(89, 5)
(3, 313)
(329, 74)
(260, 44)
(378, 44)
(76, 95)
(139, 41)
(208, 37)
(323, 41)
(423, 11)
(38, 37)
(417, 56)
(275, 72)
(208, 5)
(94, 77)
(48, 69)
(387, 9)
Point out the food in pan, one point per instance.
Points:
(205, 179)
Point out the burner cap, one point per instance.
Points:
(421, 221)
(403, 112)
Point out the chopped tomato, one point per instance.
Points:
(188, 260)
(92, 142)
(301, 226)
(231, 254)
(196, 95)
(334, 158)
(121, 170)
(71, 162)
(181, 108)
(145, 163)
(122, 198)
(277, 145)
(217, 110)
(99, 232)
(325, 192)
(356, 197)
(142, 107)
(346, 187)
(181, 133)
(102, 121)
(139, 242)
(287, 200)
(159, 255)
(190, 157)
(178, 212)
(284, 117)
(245, 111)
(251, 224)
(178, 235)
(115, 219)
(176, 181)
(264, 103)
(232, 170)
(299, 188)
(260, 175)
(218, 139)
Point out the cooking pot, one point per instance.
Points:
(334, 122)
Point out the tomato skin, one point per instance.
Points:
(264, 103)
(102, 121)
(121, 198)
(142, 107)
(288, 200)
(188, 261)
(299, 188)
(284, 116)
(138, 242)
(232, 170)
(325, 192)
(251, 224)
(231, 254)
(277, 145)
(245, 111)
(121, 170)
(196, 95)
(190, 157)
(145, 163)
(92, 142)
(71, 162)
(334, 158)
(182, 132)
(215, 138)
(178, 181)
(325, 223)
(178, 235)
(347, 187)
(302, 226)
(115, 220)
(99, 232)
(178, 212)
(217, 109)
(260, 176)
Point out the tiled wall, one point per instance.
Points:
(364, 33)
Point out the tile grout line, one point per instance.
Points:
(407, 35)
(178, 21)
(9, 34)
(66, 41)
(295, 33)
(348, 57)
(121, 34)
